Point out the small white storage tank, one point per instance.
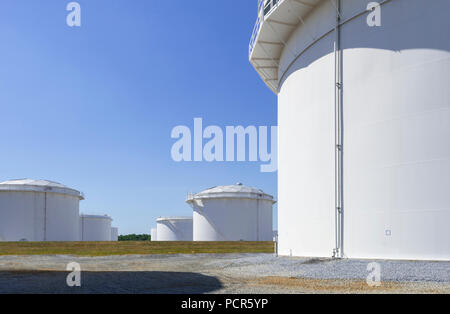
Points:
(232, 213)
(95, 228)
(174, 229)
(114, 234)
(153, 234)
(38, 210)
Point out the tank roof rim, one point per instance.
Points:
(43, 186)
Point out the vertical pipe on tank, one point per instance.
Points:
(45, 216)
(82, 228)
(339, 250)
(257, 220)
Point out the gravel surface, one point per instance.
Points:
(396, 271)
(218, 273)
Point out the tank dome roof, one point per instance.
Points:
(174, 218)
(30, 185)
(232, 191)
(95, 216)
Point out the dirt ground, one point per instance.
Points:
(209, 273)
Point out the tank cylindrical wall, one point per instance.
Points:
(174, 229)
(95, 228)
(396, 115)
(232, 219)
(114, 234)
(153, 233)
(38, 216)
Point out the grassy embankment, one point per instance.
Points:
(129, 248)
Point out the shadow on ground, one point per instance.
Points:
(51, 282)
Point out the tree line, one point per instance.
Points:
(135, 237)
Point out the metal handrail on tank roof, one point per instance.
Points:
(255, 33)
(259, 21)
(265, 7)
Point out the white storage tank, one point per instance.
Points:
(232, 213)
(95, 227)
(153, 233)
(174, 229)
(114, 234)
(364, 125)
(38, 210)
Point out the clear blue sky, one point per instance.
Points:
(93, 107)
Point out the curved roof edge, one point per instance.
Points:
(44, 186)
(174, 218)
(96, 216)
(276, 21)
(237, 191)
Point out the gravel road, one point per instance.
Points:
(218, 273)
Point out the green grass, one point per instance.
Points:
(129, 248)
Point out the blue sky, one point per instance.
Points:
(93, 107)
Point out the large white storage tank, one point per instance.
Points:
(232, 213)
(38, 210)
(95, 227)
(174, 229)
(114, 234)
(364, 125)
